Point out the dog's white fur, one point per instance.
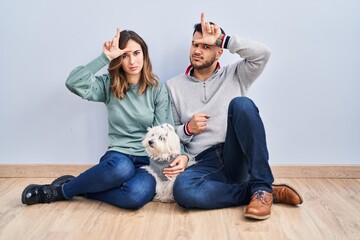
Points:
(162, 145)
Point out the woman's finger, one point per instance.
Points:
(114, 42)
(107, 45)
(117, 36)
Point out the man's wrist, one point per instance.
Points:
(187, 130)
(220, 40)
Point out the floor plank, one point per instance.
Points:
(331, 210)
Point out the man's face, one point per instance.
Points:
(202, 56)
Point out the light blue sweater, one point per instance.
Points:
(128, 118)
(212, 96)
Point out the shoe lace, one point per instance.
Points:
(261, 196)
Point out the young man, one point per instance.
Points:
(222, 129)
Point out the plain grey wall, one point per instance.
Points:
(308, 95)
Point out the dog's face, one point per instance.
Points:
(161, 142)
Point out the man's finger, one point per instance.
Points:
(174, 172)
(173, 169)
(208, 27)
(202, 19)
(175, 162)
(201, 115)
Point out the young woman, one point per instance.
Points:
(135, 100)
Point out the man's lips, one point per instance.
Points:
(196, 57)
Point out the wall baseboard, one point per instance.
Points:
(279, 171)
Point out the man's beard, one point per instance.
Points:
(203, 66)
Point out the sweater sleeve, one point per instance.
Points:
(162, 107)
(255, 55)
(179, 126)
(163, 112)
(83, 82)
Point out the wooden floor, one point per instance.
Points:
(331, 210)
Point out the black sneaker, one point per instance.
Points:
(34, 194)
(64, 179)
(61, 180)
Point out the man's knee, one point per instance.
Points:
(188, 192)
(179, 188)
(183, 192)
(242, 105)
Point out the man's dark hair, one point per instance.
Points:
(197, 28)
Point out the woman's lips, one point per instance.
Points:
(133, 68)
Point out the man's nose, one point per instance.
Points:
(197, 51)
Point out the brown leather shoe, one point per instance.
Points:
(283, 193)
(260, 206)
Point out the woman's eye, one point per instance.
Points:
(124, 56)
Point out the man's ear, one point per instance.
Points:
(219, 52)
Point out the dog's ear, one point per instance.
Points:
(149, 128)
(168, 127)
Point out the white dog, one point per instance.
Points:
(162, 145)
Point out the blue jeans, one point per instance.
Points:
(228, 174)
(117, 180)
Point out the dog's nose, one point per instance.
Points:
(151, 142)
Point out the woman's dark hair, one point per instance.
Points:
(119, 84)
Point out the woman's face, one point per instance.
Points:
(133, 60)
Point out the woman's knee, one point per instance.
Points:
(141, 191)
(119, 167)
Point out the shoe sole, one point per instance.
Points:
(23, 195)
(286, 185)
(256, 217)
